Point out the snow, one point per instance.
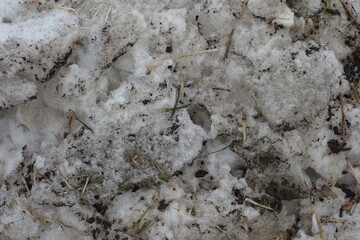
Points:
(91, 146)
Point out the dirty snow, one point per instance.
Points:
(179, 119)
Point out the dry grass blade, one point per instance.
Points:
(221, 230)
(68, 126)
(145, 227)
(164, 175)
(182, 85)
(353, 170)
(244, 129)
(176, 103)
(281, 236)
(317, 217)
(335, 220)
(26, 186)
(356, 93)
(30, 211)
(85, 186)
(347, 10)
(328, 192)
(258, 204)
(176, 108)
(73, 10)
(228, 44)
(66, 182)
(83, 123)
(37, 4)
(134, 162)
(156, 64)
(12, 203)
(88, 19)
(143, 215)
(349, 205)
(340, 32)
(107, 15)
(126, 184)
(246, 224)
(244, 5)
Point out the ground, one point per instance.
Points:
(179, 119)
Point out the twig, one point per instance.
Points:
(156, 64)
(258, 204)
(221, 89)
